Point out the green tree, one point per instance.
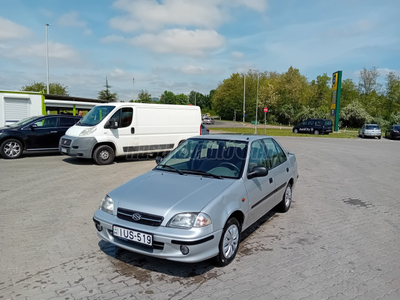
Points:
(54, 88)
(354, 115)
(107, 95)
(320, 92)
(144, 97)
(349, 93)
(168, 98)
(392, 94)
(181, 99)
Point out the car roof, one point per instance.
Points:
(232, 137)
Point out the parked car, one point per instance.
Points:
(393, 133)
(204, 130)
(314, 126)
(208, 120)
(209, 190)
(37, 133)
(370, 130)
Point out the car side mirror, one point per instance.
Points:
(258, 172)
(112, 124)
(159, 159)
(33, 126)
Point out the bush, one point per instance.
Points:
(354, 115)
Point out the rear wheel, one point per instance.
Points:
(379, 137)
(11, 148)
(284, 205)
(316, 132)
(229, 243)
(103, 155)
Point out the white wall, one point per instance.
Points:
(34, 102)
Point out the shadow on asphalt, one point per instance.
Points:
(117, 160)
(133, 264)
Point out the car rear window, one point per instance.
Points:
(328, 123)
(371, 127)
(396, 128)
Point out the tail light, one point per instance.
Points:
(208, 130)
(200, 128)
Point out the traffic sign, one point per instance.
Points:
(265, 109)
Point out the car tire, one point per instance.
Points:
(103, 155)
(11, 149)
(229, 243)
(316, 132)
(295, 130)
(284, 205)
(379, 137)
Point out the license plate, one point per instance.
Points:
(132, 235)
(64, 150)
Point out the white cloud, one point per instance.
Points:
(190, 42)
(56, 50)
(385, 71)
(237, 55)
(258, 5)
(71, 19)
(10, 30)
(192, 70)
(113, 39)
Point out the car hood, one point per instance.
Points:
(165, 193)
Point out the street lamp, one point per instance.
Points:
(258, 80)
(47, 56)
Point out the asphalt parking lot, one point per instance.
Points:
(339, 240)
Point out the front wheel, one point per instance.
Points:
(295, 130)
(229, 243)
(11, 148)
(103, 155)
(284, 205)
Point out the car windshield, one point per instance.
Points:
(396, 128)
(371, 127)
(207, 157)
(23, 121)
(95, 115)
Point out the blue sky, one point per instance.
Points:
(184, 45)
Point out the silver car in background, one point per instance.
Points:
(370, 130)
(195, 203)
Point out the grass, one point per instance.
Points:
(285, 132)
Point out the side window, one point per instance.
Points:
(273, 158)
(67, 122)
(123, 116)
(46, 123)
(126, 116)
(318, 123)
(258, 156)
(281, 155)
(310, 123)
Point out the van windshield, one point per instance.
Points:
(95, 115)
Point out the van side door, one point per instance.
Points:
(121, 131)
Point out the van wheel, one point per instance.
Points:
(316, 132)
(103, 155)
(295, 131)
(284, 205)
(11, 148)
(229, 243)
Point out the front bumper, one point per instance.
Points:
(202, 243)
(77, 146)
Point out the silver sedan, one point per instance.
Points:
(195, 203)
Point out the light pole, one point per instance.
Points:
(47, 56)
(133, 82)
(244, 96)
(258, 80)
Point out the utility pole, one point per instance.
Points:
(258, 80)
(244, 96)
(133, 80)
(47, 56)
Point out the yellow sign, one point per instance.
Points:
(335, 81)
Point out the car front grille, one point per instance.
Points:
(65, 142)
(139, 217)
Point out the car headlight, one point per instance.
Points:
(107, 205)
(189, 220)
(88, 131)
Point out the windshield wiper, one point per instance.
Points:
(198, 172)
(172, 168)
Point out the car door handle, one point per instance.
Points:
(132, 130)
(271, 180)
(53, 131)
(287, 169)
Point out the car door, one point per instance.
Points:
(259, 189)
(279, 164)
(42, 134)
(124, 135)
(303, 127)
(63, 125)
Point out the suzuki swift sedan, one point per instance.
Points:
(195, 203)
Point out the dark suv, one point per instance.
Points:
(38, 133)
(314, 126)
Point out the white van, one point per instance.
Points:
(126, 129)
